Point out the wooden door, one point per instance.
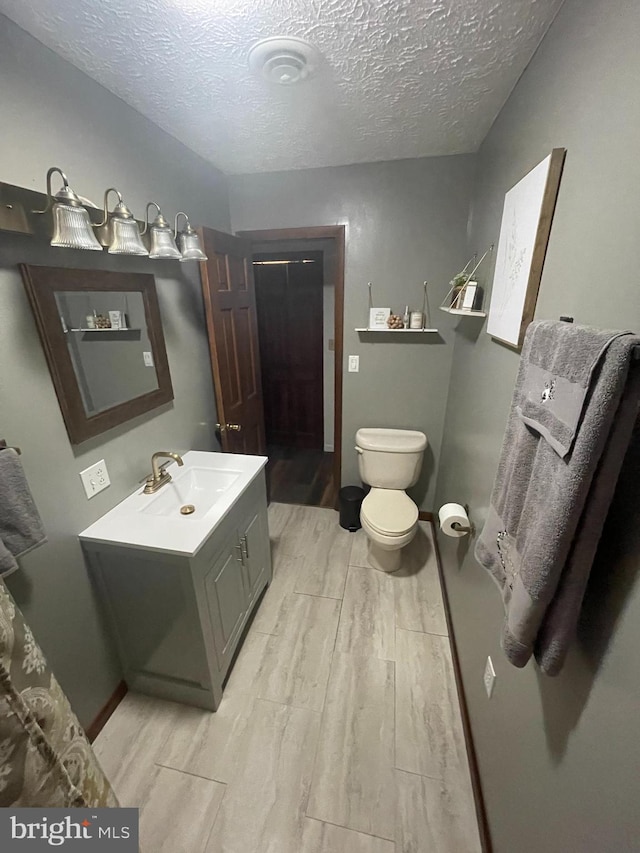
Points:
(229, 298)
(289, 299)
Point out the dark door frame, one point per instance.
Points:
(336, 233)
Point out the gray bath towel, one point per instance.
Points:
(573, 411)
(21, 528)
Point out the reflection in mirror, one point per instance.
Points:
(113, 363)
(102, 336)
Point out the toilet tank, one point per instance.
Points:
(390, 458)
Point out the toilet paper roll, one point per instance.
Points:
(451, 514)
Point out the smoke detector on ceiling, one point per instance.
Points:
(284, 61)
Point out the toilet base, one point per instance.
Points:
(384, 560)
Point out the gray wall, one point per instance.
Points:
(558, 757)
(53, 114)
(406, 222)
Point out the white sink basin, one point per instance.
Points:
(211, 482)
(198, 487)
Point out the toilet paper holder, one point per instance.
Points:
(462, 528)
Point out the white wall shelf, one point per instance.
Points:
(463, 312)
(398, 331)
(104, 330)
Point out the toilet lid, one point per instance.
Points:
(389, 511)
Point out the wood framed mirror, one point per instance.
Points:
(102, 336)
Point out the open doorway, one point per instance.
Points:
(295, 304)
(329, 240)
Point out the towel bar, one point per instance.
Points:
(635, 354)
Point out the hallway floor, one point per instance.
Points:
(339, 730)
(300, 476)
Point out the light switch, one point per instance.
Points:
(148, 359)
(354, 363)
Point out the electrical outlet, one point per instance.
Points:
(489, 677)
(354, 363)
(95, 478)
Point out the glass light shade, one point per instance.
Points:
(190, 247)
(124, 237)
(72, 228)
(162, 244)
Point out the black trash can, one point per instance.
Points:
(350, 500)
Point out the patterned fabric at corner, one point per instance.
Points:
(46, 760)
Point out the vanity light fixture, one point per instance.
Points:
(162, 241)
(189, 242)
(119, 230)
(72, 227)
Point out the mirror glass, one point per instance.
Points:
(109, 346)
(102, 336)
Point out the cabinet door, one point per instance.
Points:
(253, 536)
(226, 600)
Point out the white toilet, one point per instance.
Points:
(389, 460)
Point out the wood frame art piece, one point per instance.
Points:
(524, 234)
(42, 284)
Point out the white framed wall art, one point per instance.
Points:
(524, 234)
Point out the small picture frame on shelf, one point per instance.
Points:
(469, 295)
(378, 318)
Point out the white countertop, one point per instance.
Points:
(132, 522)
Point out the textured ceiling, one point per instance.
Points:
(399, 78)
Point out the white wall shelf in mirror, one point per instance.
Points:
(398, 331)
(101, 331)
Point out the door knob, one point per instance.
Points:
(230, 427)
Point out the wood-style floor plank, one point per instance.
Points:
(418, 595)
(319, 837)
(264, 806)
(196, 801)
(429, 735)
(367, 621)
(323, 568)
(128, 745)
(297, 659)
(432, 817)
(353, 780)
(300, 476)
(206, 743)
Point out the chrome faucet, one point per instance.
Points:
(159, 475)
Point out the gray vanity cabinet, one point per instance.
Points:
(178, 619)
